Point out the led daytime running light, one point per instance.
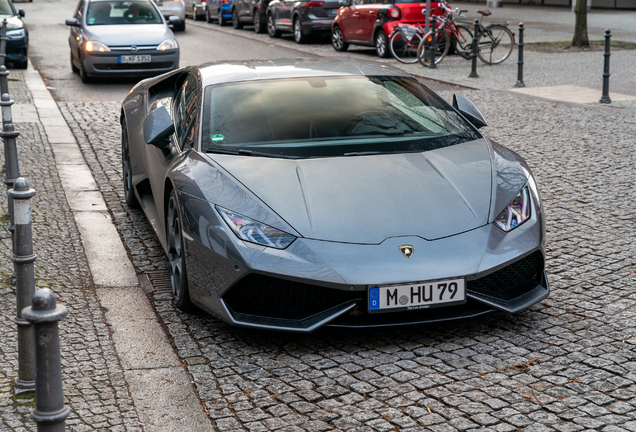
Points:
(252, 231)
(517, 212)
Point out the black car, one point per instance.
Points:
(301, 17)
(17, 35)
(250, 12)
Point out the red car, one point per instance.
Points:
(370, 22)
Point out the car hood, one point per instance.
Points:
(130, 34)
(13, 22)
(367, 199)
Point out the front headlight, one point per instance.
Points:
(168, 44)
(16, 33)
(517, 212)
(255, 232)
(92, 46)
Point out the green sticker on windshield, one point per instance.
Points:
(217, 137)
(91, 20)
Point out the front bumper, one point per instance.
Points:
(108, 64)
(17, 49)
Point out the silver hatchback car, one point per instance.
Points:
(121, 38)
(173, 8)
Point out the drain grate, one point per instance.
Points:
(160, 280)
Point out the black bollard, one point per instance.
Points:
(606, 73)
(520, 82)
(3, 41)
(473, 68)
(432, 65)
(50, 412)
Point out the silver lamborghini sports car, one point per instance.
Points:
(294, 194)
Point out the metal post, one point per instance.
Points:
(23, 258)
(606, 73)
(520, 82)
(432, 65)
(473, 68)
(50, 412)
(11, 167)
(4, 80)
(3, 41)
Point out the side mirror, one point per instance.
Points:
(469, 110)
(174, 20)
(73, 22)
(21, 13)
(343, 3)
(158, 127)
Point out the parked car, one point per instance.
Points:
(219, 11)
(302, 18)
(121, 38)
(252, 12)
(170, 8)
(294, 194)
(17, 35)
(195, 9)
(370, 23)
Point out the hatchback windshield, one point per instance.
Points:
(333, 116)
(5, 8)
(122, 12)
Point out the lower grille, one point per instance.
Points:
(511, 281)
(270, 297)
(133, 66)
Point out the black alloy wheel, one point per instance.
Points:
(382, 44)
(299, 37)
(126, 172)
(337, 40)
(271, 27)
(256, 20)
(176, 255)
(236, 22)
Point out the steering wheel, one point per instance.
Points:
(140, 17)
(354, 121)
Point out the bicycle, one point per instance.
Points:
(495, 39)
(403, 42)
(447, 34)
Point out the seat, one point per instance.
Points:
(485, 12)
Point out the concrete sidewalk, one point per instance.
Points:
(120, 370)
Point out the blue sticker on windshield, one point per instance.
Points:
(91, 20)
(217, 137)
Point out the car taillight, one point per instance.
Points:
(226, 1)
(394, 13)
(314, 4)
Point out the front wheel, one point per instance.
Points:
(176, 254)
(425, 49)
(236, 22)
(337, 40)
(382, 44)
(495, 44)
(126, 172)
(464, 42)
(271, 27)
(403, 45)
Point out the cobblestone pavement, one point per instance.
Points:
(566, 364)
(94, 383)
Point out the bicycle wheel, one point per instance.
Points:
(464, 42)
(403, 48)
(495, 44)
(424, 49)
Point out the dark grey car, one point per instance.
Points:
(302, 18)
(293, 194)
(121, 38)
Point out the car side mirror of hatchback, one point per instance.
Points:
(158, 126)
(73, 22)
(21, 13)
(174, 20)
(469, 110)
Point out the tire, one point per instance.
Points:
(22, 65)
(73, 67)
(176, 255)
(424, 50)
(208, 18)
(403, 49)
(236, 22)
(222, 21)
(299, 37)
(82, 73)
(464, 42)
(382, 44)
(256, 20)
(337, 40)
(271, 27)
(129, 193)
(495, 44)
(180, 27)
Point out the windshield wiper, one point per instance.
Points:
(366, 153)
(245, 152)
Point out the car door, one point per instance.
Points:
(75, 38)
(349, 20)
(285, 14)
(368, 14)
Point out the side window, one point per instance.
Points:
(357, 2)
(184, 112)
(80, 10)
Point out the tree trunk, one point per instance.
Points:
(580, 28)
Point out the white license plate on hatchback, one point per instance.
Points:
(135, 59)
(415, 296)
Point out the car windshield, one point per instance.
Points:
(122, 12)
(5, 8)
(331, 116)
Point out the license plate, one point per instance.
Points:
(134, 59)
(420, 295)
(333, 11)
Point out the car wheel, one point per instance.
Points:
(222, 21)
(82, 73)
(236, 22)
(208, 18)
(180, 27)
(22, 65)
(299, 37)
(381, 44)
(73, 67)
(337, 40)
(271, 27)
(256, 19)
(129, 193)
(176, 256)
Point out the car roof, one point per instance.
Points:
(236, 71)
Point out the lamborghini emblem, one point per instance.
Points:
(407, 250)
